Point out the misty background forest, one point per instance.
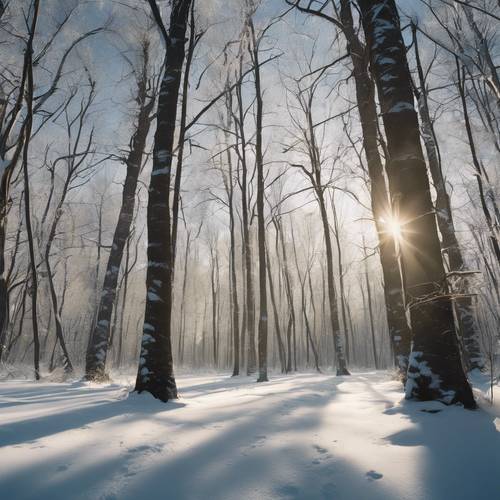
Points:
(278, 217)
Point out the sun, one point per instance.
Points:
(393, 226)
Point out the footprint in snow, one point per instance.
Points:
(259, 442)
(156, 448)
(373, 475)
(324, 455)
(62, 468)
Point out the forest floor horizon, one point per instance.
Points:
(300, 436)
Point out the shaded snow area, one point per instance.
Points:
(304, 436)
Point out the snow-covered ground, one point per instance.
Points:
(304, 436)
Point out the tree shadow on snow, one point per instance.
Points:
(92, 405)
(461, 450)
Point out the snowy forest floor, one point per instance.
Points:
(304, 436)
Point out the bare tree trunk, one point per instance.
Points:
(232, 257)
(156, 371)
(98, 348)
(29, 231)
(370, 309)
(249, 293)
(261, 229)
(336, 233)
(435, 369)
(332, 293)
(213, 286)
(290, 331)
(244, 301)
(182, 329)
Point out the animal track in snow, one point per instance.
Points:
(374, 475)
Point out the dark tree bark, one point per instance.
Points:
(100, 340)
(435, 369)
(156, 372)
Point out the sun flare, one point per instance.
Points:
(393, 227)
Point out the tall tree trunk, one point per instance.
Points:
(156, 371)
(244, 302)
(290, 331)
(99, 346)
(247, 245)
(370, 309)
(232, 257)
(261, 228)
(336, 233)
(182, 329)
(213, 287)
(29, 231)
(435, 368)
(332, 293)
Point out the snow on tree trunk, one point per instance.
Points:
(100, 340)
(435, 369)
(156, 372)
